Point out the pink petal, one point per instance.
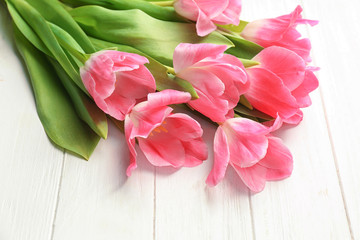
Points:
(289, 66)
(231, 72)
(278, 160)
(204, 25)
(268, 94)
(196, 152)
(183, 127)
(186, 54)
(212, 8)
(295, 119)
(177, 142)
(254, 177)
(167, 97)
(210, 90)
(163, 150)
(116, 80)
(221, 158)
(98, 76)
(302, 92)
(189, 132)
(231, 15)
(281, 31)
(247, 141)
(131, 144)
(187, 9)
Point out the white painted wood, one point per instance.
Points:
(97, 200)
(187, 209)
(309, 204)
(30, 167)
(337, 51)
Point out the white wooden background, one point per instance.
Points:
(47, 194)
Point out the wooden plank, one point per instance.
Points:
(98, 201)
(309, 204)
(30, 166)
(337, 51)
(187, 209)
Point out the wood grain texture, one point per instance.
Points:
(187, 209)
(30, 166)
(337, 51)
(98, 201)
(46, 194)
(309, 204)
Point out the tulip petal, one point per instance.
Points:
(183, 127)
(167, 97)
(231, 14)
(131, 144)
(196, 152)
(221, 158)
(254, 177)
(295, 119)
(268, 94)
(247, 141)
(186, 54)
(148, 115)
(281, 31)
(278, 160)
(289, 66)
(302, 92)
(209, 89)
(161, 149)
(212, 8)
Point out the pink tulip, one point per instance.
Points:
(117, 80)
(166, 139)
(219, 79)
(256, 156)
(207, 13)
(281, 84)
(281, 31)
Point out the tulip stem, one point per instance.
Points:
(164, 3)
(171, 70)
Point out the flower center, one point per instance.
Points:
(159, 129)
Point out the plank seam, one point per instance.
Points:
(336, 163)
(58, 196)
(341, 185)
(252, 215)
(154, 205)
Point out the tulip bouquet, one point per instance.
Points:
(137, 61)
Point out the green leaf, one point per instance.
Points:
(53, 11)
(43, 31)
(54, 106)
(252, 114)
(234, 28)
(158, 39)
(243, 48)
(158, 12)
(163, 79)
(85, 107)
(26, 30)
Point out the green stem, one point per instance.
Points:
(170, 70)
(80, 56)
(164, 3)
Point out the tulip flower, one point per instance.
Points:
(219, 79)
(117, 80)
(281, 31)
(249, 148)
(165, 138)
(281, 83)
(207, 13)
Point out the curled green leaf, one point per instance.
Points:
(56, 112)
